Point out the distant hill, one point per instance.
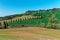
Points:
(45, 18)
(33, 13)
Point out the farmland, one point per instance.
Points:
(29, 33)
(31, 25)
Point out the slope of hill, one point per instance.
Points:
(43, 18)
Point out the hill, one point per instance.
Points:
(42, 18)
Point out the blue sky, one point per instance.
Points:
(9, 7)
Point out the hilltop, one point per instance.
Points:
(32, 13)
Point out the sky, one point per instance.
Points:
(10, 7)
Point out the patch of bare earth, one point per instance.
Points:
(25, 32)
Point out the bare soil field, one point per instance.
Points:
(29, 33)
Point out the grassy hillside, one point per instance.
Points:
(45, 18)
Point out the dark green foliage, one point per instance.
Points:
(35, 22)
(57, 14)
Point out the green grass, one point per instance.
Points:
(6, 36)
(2, 37)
